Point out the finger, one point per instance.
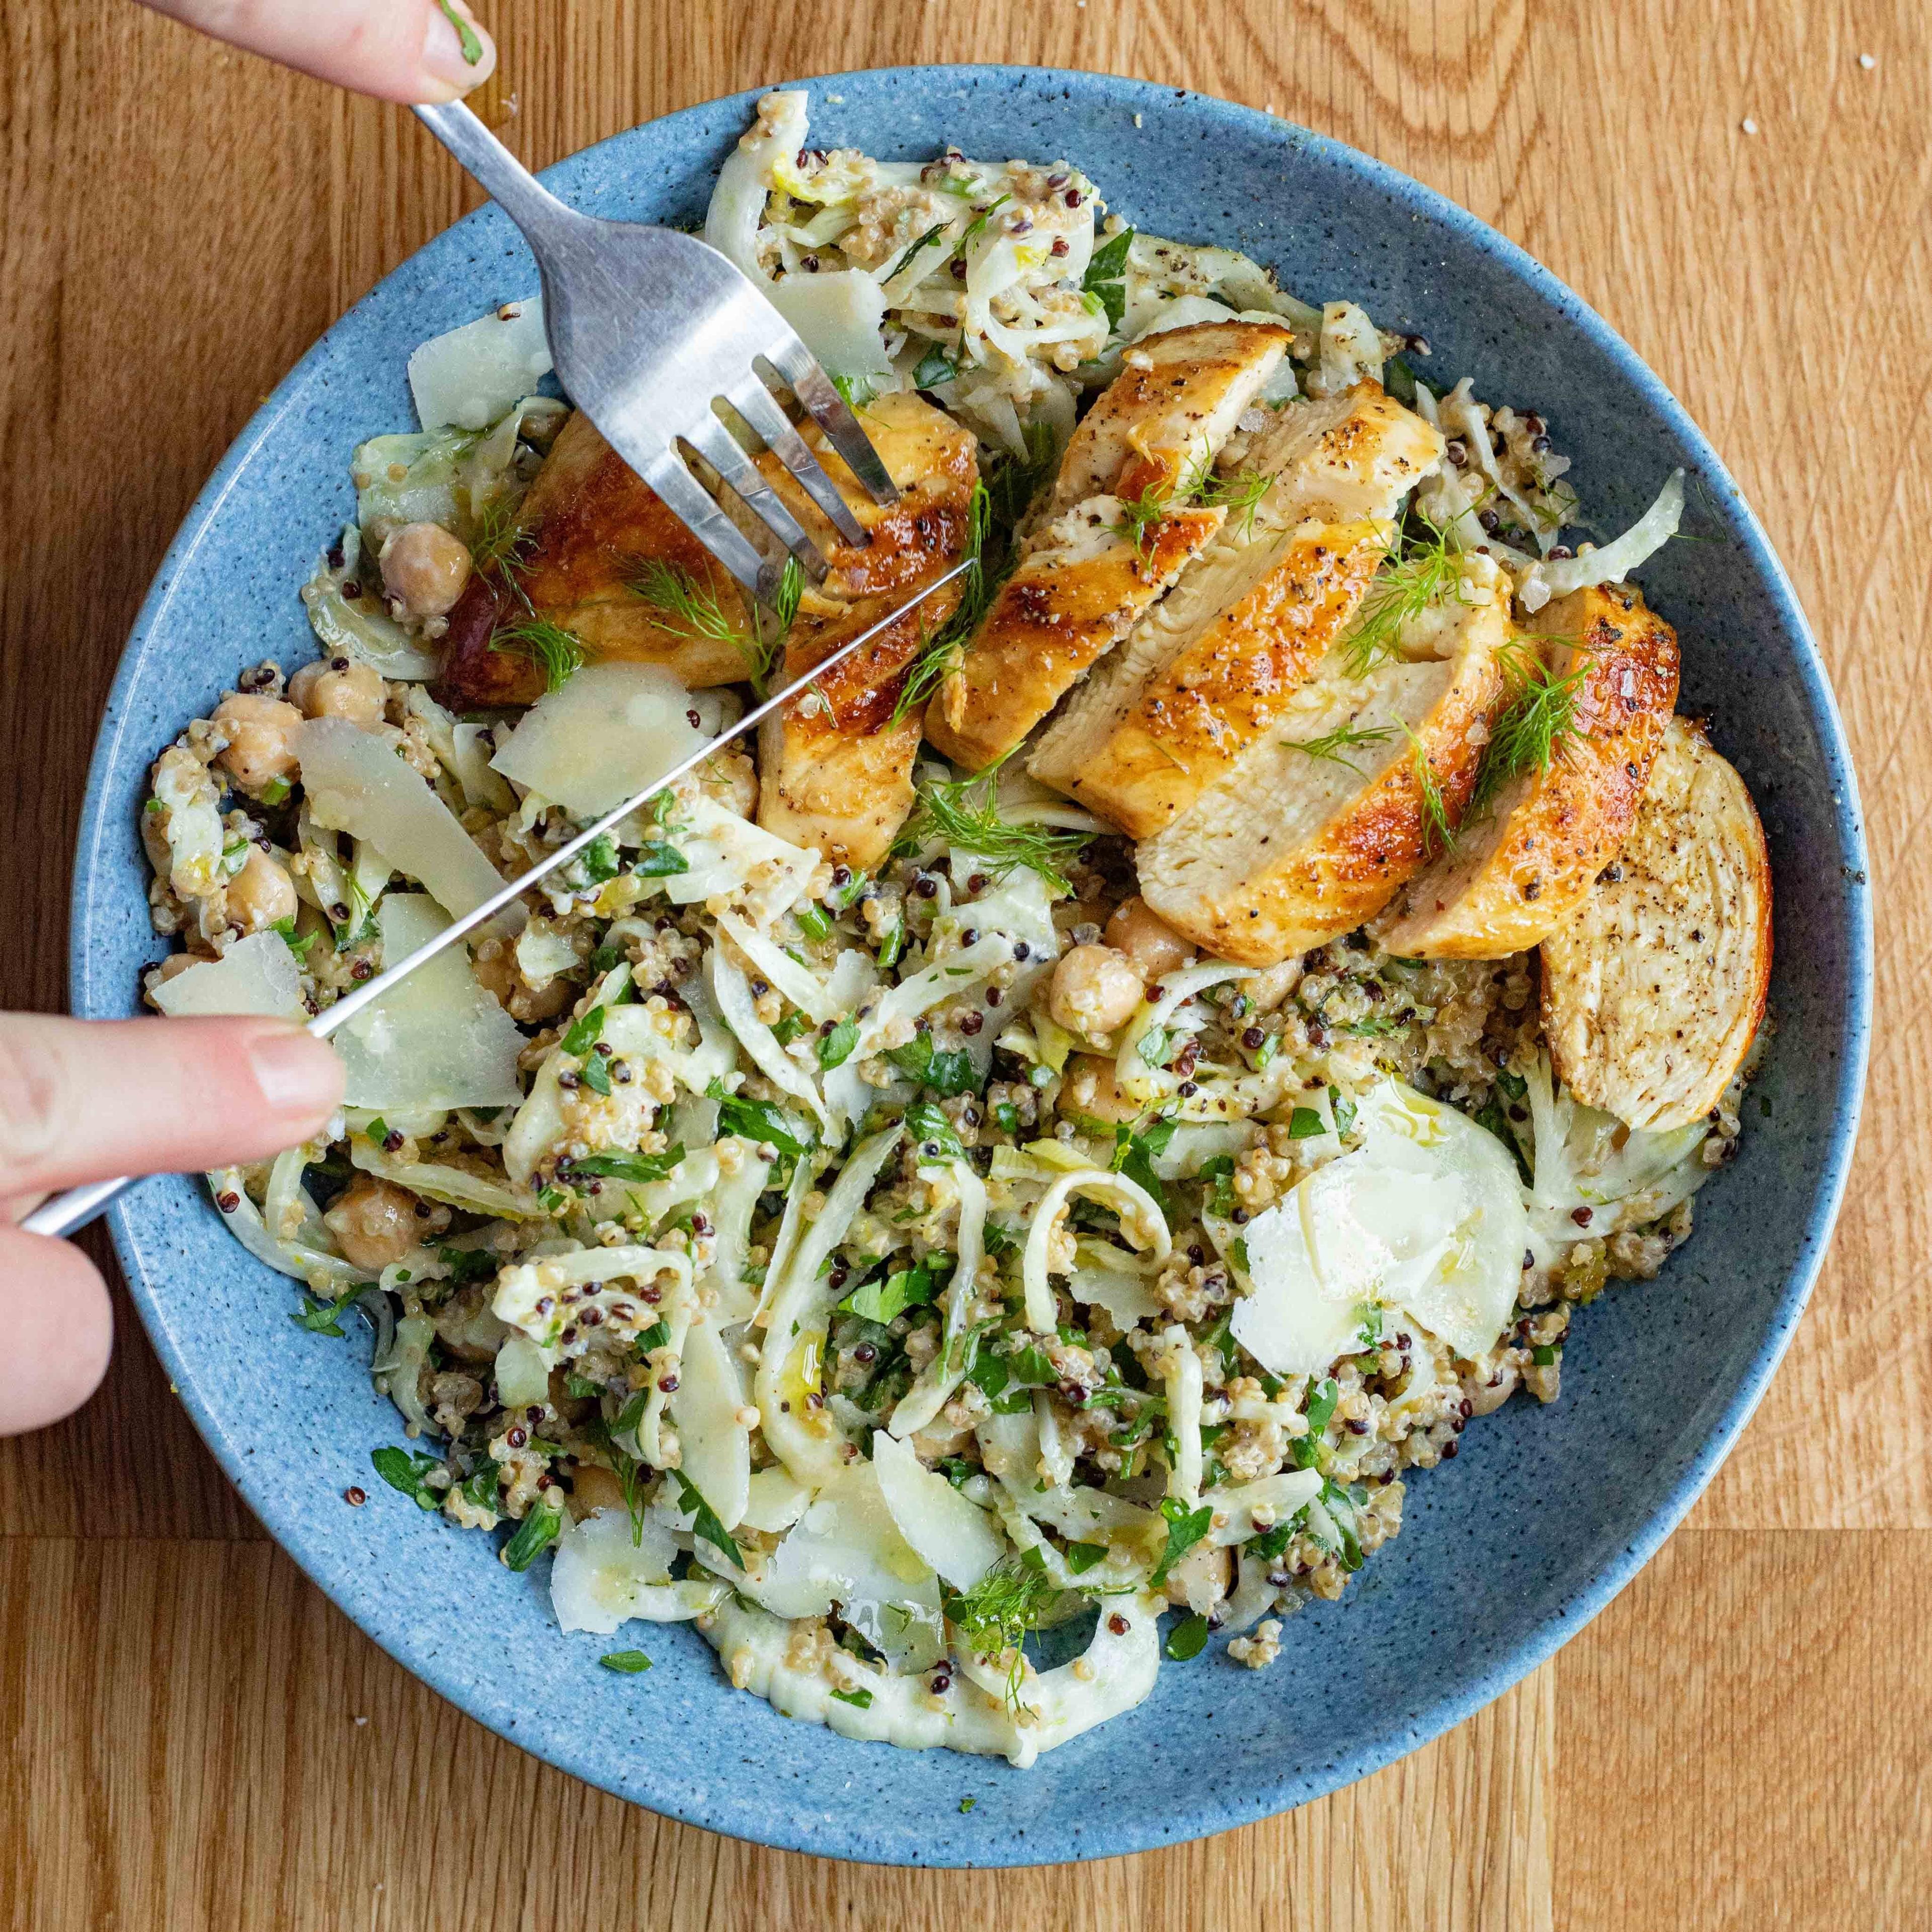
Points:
(396, 50)
(85, 1100)
(54, 1313)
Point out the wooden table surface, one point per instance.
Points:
(194, 1737)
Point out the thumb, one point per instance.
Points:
(408, 50)
(86, 1099)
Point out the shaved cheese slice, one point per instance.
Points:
(256, 975)
(952, 1536)
(438, 1040)
(608, 1569)
(1426, 1215)
(357, 783)
(612, 731)
(471, 375)
(846, 1549)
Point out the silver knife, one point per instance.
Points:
(64, 1212)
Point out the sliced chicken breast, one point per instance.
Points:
(1292, 845)
(1175, 402)
(1522, 867)
(834, 771)
(1084, 578)
(1203, 674)
(589, 525)
(1655, 986)
(1116, 530)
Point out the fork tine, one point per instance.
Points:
(694, 506)
(815, 389)
(716, 443)
(759, 409)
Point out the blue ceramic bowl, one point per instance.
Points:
(1506, 1552)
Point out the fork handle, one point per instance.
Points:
(507, 182)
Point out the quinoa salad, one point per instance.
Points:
(1001, 1180)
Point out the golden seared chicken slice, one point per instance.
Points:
(834, 771)
(587, 530)
(1571, 756)
(1201, 676)
(1654, 987)
(1176, 401)
(1356, 783)
(1082, 580)
(1120, 524)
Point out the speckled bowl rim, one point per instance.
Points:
(285, 1516)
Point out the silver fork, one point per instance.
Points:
(648, 329)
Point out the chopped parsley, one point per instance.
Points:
(835, 1048)
(401, 1470)
(641, 1167)
(1190, 1639)
(705, 1525)
(860, 1700)
(1185, 1528)
(626, 1663)
(945, 1073)
(535, 1534)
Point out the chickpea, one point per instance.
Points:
(340, 687)
(1089, 1088)
(1095, 989)
(374, 1222)
(426, 567)
(1153, 945)
(258, 751)
(592, 1489)
(497, 968)
(261, 894)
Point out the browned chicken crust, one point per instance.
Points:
(1514, 877)
(1286, 850)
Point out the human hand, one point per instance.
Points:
(410, 50)
(87, 1099)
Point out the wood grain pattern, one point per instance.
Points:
(1740, 1738)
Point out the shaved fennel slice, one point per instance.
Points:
(356, 783)
(326, 1274)
(613, 730)
(470, 376)
(1137, 1080)
(917, 1408)
(951, 1535)
(706, 1408)
(950, 976)
(1616, 560)
(1116, 1672)
(733, 992)
(1626, 1177)
(608, 1569)
(454, 1186)
(438, 1039)
(529, 1295)
(1181, 1379)
(729, 857)
(733, 1202)
(256, 975)
(1141, 1222)
(350, 627)
(756, 1649)
(799, 984)
(808, 1440)
(804, 1179)
(837, 314)
(1243, 1509)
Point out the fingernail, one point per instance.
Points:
(299, 1078)
(457, 53)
